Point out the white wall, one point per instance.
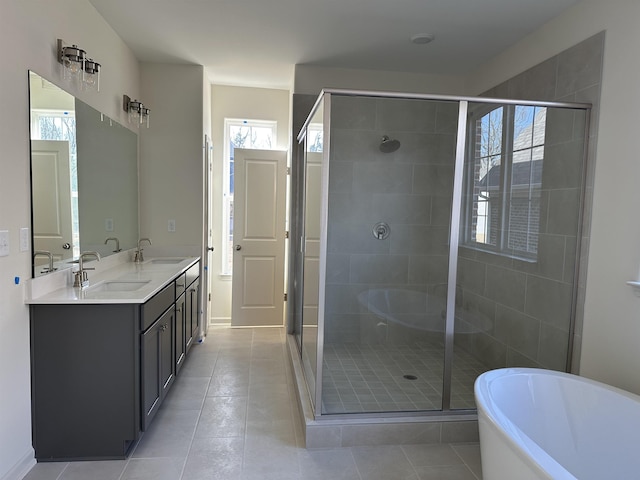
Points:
(29, 31)
(611, 332)
(171, 154)
(311, 80)
(245, 103)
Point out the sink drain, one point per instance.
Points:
(410, 377)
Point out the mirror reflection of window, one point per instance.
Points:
(60, 125)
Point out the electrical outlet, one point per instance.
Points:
(4, 243)
(108, 224)
(24, 239)
(171, 226)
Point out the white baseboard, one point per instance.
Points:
(20, 469)
(219, 320)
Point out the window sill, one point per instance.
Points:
(227, 277)
(499, 253)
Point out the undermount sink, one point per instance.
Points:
(119, 286)
(166, 261)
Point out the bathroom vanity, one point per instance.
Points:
(103, 358)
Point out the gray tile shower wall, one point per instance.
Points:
(410, 190)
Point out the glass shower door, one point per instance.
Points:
(391, 170)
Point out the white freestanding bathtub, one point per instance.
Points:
(541, 424)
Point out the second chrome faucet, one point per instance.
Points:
(139, 257)
(81, 279)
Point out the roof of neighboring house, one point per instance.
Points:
(521, 175)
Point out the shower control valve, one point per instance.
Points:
(381, 230)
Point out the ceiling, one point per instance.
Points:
(257, 42)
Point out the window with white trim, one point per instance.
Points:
(239, 133)
(504, 179)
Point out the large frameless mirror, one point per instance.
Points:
(84, 179)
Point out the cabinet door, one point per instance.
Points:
(151, 391)
(195, 309)
(181, 329)
(167, 350)
(193, 312)
(158, 371)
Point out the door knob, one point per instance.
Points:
(211, 249)
(238, 247)
(66, 246)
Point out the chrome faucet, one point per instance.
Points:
(81, 279)
(46, 254)
(139, 258)
(118, 249)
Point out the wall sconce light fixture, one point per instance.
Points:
(78, 67)
(138, 113)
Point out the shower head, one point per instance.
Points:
(388, 145)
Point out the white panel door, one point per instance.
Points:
(258, 237)
(51, 185)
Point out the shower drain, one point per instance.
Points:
(410, 377)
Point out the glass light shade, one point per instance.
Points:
(91, 76)
(134, 109)
(144, 116)
(73, 60)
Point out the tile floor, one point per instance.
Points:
(232, 415)
(371, 378)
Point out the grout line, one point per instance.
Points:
(246, 412)
(195, 429)
(64, 470)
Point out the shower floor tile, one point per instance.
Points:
(393, 378)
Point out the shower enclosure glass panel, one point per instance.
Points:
(312, 208)
(390, 189)
(519, 235)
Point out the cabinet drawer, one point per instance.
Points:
(192, 273)
(181, 284)
(157, 305)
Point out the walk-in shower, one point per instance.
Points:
(420, 267)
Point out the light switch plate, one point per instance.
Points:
(108, 224)
(4, 243)
(24, 239)
(171, 226)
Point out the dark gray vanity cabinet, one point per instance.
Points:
(85, 377)
(100, 372)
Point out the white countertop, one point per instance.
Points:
(147, 279)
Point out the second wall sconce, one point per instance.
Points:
(138, 113)
(78, 67)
